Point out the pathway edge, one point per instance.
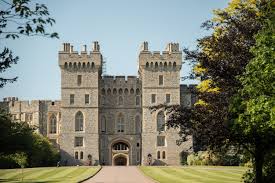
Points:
(91, 175)
(149, 178)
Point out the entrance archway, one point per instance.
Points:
(120, 160)
(120, 154)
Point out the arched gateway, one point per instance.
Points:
(120, 154)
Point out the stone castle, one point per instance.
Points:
(107, 120)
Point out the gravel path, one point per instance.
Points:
(119, 174)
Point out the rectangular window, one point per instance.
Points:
(87, 98)
(71, 99)
(168, 98)
(160, 140)
(153, 98)
(79, 80)
(160, 79)
(137, 100)
(78, 142)
(138, 156)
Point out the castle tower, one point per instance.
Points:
(160, 75)
(80, 75)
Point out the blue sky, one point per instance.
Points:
(120, 27)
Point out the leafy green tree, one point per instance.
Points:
(219, 60)
(43, 153)
(21, 18)
(254, 104)
(19, 138)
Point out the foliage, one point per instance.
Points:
(231, 51)
(253, 106)
(42, 153)
(21, 18)
(23, 147)
(214, 158)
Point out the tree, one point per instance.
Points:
(23, 146)
(254, 105)
(219, 60)
(21, 18)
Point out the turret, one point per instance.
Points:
(73, 60)
(168, 60)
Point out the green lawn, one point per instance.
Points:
(48, 174)
(194, 174)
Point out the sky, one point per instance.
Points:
(120, 26)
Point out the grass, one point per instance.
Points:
(195, 174)
(48, 174)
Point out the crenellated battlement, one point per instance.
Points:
(72, 60)
(120, 79)
(14, 102)
(169, 59)
(120, 85)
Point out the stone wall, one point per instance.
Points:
(109, 98)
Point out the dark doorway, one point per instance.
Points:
(120, 161)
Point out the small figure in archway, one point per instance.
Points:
(90, 160)
(149, 159)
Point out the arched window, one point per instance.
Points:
(158, 154)
(126, 91)
(53, 125)
(120, 124)
(120, 146)
(137, 91)
(79, 121)
(147, 64)
(81, 154)
(137, 124)
(120, 100)
(66, 65)
(114, 91)
(165, 65)
(132, 91)
(109, 91)
(76, 155)
(156, 65)
(174, 65)
(160, 121)
(103, 124)
(163, 155)
(137, 100)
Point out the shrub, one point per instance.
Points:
(16, 160)
(210, 158)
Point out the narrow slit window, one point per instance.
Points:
(79, 80)
(160, 79)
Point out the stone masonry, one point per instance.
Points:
(107, 120)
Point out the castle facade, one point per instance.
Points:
(107, 120)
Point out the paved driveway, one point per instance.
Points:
(119, 174)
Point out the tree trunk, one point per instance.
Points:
(259, 160)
